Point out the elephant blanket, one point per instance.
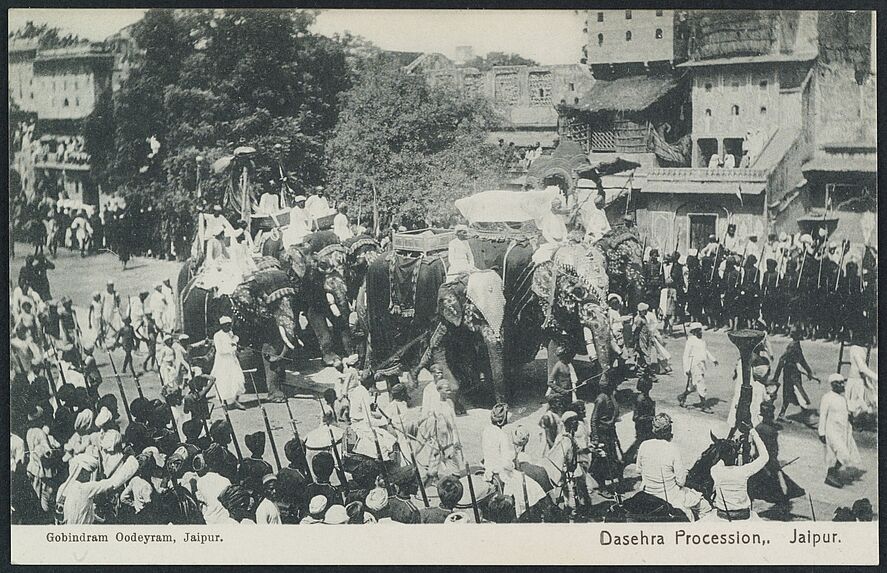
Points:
(485, 290)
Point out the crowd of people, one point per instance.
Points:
(76, 460)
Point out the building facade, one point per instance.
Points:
(633, 37)
(61, 88)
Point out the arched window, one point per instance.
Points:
(763, 85)
(658, 33)
(734, 110)
(66, 103)
(659, 12)
(763, 110)
(628, 36)
(575, 101)
(600, 39)
(628, 14)
(707, 88)
(708, 113)
(541, 92)
(600, 16)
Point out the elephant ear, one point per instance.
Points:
(450, 305)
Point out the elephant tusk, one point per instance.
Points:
(285, 338)
(333, 306)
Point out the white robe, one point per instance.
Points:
(341, 228)
(226, 368)
(834, 424)
(297, 228)
(460, 258)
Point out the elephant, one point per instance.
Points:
(624, 254)
(261, 307)
(317, 270)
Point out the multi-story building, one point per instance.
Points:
(633, 39)
(525, 96)
(126, 55)
(61, 87)
(771, 99)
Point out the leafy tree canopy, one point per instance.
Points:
(50, 36)
(419, 147)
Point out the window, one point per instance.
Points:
(76, 85)
(707, 88)
(576, 101)
(77, 102)
(600, 16)
(572, 87)
(708, 113)
(66, 103)
(658, 33)
(763, 85)
(32, 95)
(628, 14)
(735, 86)
(734, 110)
(763, 110)
(659, 12)
(600, 39)
(628, 36)
(53, 85)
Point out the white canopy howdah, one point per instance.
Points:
(506, 206)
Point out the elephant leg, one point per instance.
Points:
(317, 321)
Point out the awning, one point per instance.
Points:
(745, 60)
(705, 187)
(831, 164)
(633, 93)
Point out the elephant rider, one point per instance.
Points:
(363, 412)
(460, 258)
(297, 229)
(554, 231)
(663, 473)
(497, 446)
(731, 501)
(211, 223)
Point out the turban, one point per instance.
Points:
(520, 436)
(87, 462)
(83, 423)
(140, 408)
(336, 515)
(293, 450)
(317, 504)
(220, 431)
(192, 428)
(457, 517)
(255, 442)
(403, 475)
(836, 379)
(661, 423)
(322, 464)
(111, 441)
(214, 456)
(643, 306)
(236, 498)
(377, 499)
(450, 491)
(355, 511)
(499, 413)
(103, 417)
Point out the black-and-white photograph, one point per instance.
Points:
(312, 267)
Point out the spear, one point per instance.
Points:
(228, 417)
(119, 386)
(378, 446)
(846, 247)
(267, 421)
(413, 459)
(468, 477)
(340, 469)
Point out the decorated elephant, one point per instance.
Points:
(624, 254)
(317, 270)
(261, 307)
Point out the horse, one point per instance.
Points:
(699, 476)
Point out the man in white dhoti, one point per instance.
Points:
(157, 306)
(297, 228)
(169, 320)
(340, 224)
(496, 444)
(226, 367)
(696, 355)
(836, 432)
(460, 258)
(316, 206)
(362, 415)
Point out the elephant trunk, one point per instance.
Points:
(497, 364)
(285, 319)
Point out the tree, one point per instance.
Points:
(50, 36)
(213, 80)
(486, 63)
(419, 147)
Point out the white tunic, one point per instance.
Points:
(834, 424)
(459, 257)
(226, 367)
(297, 228)
(498, 451)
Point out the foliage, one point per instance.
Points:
(212, 80)
(420, 147)
(486, 63)
(50, 36)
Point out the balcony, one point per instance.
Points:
(719, 174)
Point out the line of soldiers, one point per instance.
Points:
(810, 283)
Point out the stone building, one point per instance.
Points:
(61, 88)
(126, 55)
(524, 96)
(638, 39)
(770, 97)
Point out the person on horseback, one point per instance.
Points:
(731, 501)
(663, 473)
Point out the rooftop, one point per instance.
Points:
(739, 60)
(632, 93)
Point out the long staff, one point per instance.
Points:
(468, 477)
(267, 421)
(378, 446)
(413, 459)
(228, 417)
(340, 469)
(120, 386)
